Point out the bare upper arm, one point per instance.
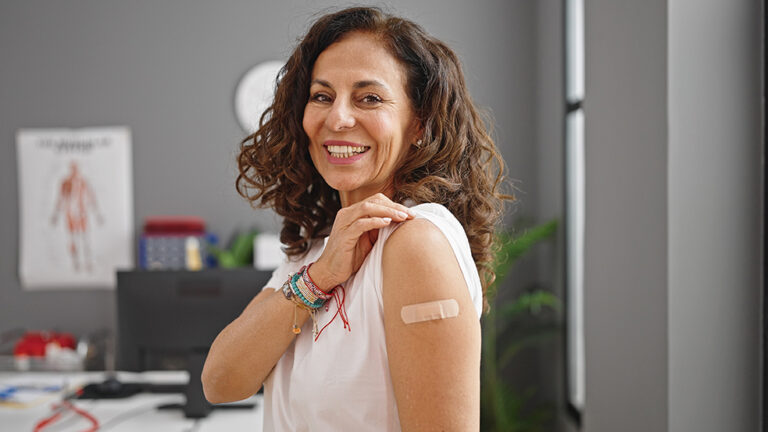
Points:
(434, 365)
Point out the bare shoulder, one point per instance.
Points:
(419, 264)
(417, 238)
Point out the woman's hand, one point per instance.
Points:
(353, 234)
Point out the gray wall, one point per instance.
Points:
(714, 215)
(168, 71)
(625, 296)
(550, 120)
(673, 271)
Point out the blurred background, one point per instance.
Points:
(672, 160)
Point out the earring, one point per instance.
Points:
(419, 142)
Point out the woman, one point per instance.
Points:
(386, 178)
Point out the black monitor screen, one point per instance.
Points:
(167, 320)
(163, 316)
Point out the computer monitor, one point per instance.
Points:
(167, 320)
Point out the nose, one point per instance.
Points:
(340, 116)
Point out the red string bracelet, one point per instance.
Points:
(312, 285)
(340, 310)
(340, 298)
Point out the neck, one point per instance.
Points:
(348, 198)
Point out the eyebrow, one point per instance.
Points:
(357, 85)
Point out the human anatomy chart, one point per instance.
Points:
(76, 207)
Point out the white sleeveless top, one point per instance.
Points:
(341, 382)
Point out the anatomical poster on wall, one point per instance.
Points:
(75, 206)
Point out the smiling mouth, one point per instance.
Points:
(342, 151)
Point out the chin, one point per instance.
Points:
(342, 186)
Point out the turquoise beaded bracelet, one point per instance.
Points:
(296, 290)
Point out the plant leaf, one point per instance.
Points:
(242, 248)
(531, 303)
(530, 338)
(511, 248)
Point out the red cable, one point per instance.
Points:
(86, 415)
(66, 405)
(46, 421)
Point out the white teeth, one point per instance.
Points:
(345, 151)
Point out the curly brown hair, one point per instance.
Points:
(457, 165)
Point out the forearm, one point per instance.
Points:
(244, 353)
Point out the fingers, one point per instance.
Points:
(355, 230)
(363, 225)
(376, 206)
(382, 199)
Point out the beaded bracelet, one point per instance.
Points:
(302, 291)
(298, 303)
(311, 284)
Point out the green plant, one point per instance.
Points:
(240, 254)
(505, 335)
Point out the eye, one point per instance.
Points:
(371, 99)
(320, 97)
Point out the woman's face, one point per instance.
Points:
(359, 118)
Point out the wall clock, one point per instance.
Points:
(255, 93)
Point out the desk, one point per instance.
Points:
(135, 413)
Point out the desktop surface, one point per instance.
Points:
(137, 412)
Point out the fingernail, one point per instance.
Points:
(387, 220)
(403, 215)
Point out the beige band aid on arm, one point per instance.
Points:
(433, 310)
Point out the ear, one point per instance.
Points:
(416, 130)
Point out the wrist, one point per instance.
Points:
(322, 279)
